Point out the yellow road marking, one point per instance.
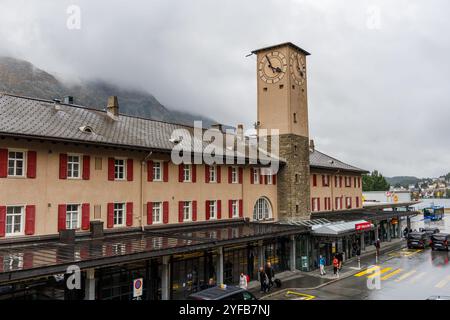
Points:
(304, 295)
(418, 277)
(362, 273)
(406, 275)
(443, 283)
(389, 275)
(379, 272)
(413, 252)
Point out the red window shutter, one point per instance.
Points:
(314, 180)
(110, 221)
(111, 170)
(341, 199)
(357, 202)
(194, 173)
(241, 172)
(150, 213)
(61, 217)
(241, 208)
(340, 182)
(265, 179)
(207, 212)
(150, 170)
(318, 204)
(166, 212)
(230, 175)
(31, 164)
(207, 178)
(166, 171)
(180, 211)
(194, 210)
(359, 182)
(219, 174)
(274, 179)
(86, 167)
(130, 169)
(260, 177)
(312, 204)
(2, 221)
(85, 216)
(230, 209)
(30, 218)
(63, 166)
(181, 173)
(129, 214)
(219, 209)
(252, 177)
(3, 163)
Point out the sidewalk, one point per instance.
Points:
(313, 279)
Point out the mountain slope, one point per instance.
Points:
(23, 78)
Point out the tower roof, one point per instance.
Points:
(290, 44)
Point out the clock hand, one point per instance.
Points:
(270, 64)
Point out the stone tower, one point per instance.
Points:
(283, 105)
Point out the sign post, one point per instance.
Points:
(137, 288)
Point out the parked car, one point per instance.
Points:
(418, 240)
(429, 230)
(440, 241)
(223, 293)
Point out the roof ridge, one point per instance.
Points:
(338, 160)
(91, 108)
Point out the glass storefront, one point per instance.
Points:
(239, 260)
(192, 272)
(277, 252)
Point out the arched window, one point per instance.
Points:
(262, 209)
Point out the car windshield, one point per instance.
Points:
(439, 237)
(415, 236)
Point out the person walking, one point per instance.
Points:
(243, 283)
(340, 257)
(270, 274)
(263, 279)
(336, 266)
(322, 265)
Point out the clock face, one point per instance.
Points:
(272, 67)
(297, 68)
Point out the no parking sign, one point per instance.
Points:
(137, 287)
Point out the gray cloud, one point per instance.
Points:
(378, 98)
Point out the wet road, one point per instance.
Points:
(401, 275)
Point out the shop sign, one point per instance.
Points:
(363, 226)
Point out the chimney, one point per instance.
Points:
(113, 107)
(217, 126)
(311, 145)
(68, 100)
(240, 131)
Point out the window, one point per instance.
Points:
(212, 173)
(348, 202)
(119, 214)
(336, 181)
(119, 169)
(359, 182)
(187, 172)
(325, 180)
(73, 167)
(354, 182)
(262, 209)
(295, 117)
(315, 204)
(269, 179)
(156, 212)
(72, 216)
(187, 211)
(16, 164)
(255, 176)
(14, 220)
(338, 203)
(235, 208)
(234, 175)
(357, 202)
(213, 209)
(348, 182)
(340, 182)
(157, 176)
(327, 201)
(314, 178)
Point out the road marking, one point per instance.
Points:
(406, 275)
(379, 272)
(413, 252)
(370, 269)
(418, 277)
(303, 295)
(389, 275)
(443, 283)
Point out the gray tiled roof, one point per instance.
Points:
(318, 159)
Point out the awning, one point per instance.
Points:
(341, 228)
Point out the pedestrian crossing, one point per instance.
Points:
(400, 275)
(404, 253)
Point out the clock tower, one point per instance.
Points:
(283, 105)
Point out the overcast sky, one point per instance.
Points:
(379, 91)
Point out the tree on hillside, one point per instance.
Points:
(374, 182)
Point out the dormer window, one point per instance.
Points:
(86, 129)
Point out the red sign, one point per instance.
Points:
(363, 226)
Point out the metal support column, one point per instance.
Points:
(388, 230)
(399, 228)
(90, 285)
(165, 278)
(377, 236)
(219, 268)
(363, 242)
(261, 258)
(408, 222)
(293, 251)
